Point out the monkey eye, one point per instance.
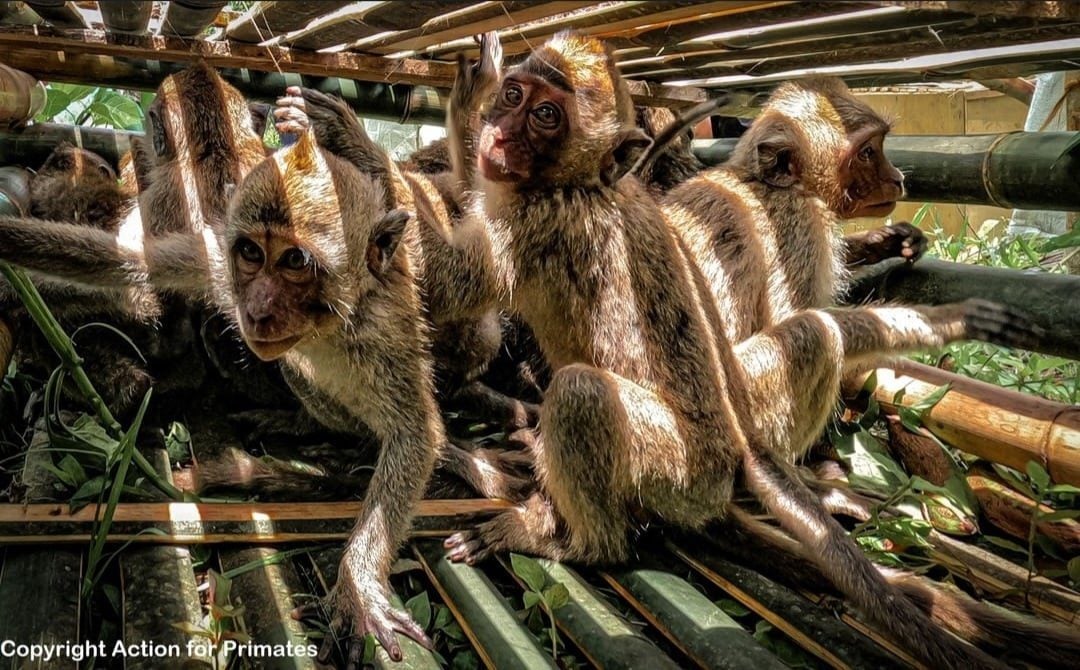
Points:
(296, 259)
(547, 115)
(513, 95)
(867, 152)
(249, 251)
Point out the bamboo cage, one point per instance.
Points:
(396, 61)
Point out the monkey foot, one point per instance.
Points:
(370, 613)
(528, 528)
(995, 323)
(494, 473)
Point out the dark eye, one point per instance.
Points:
(866, 153)
(512, 95)
(295, 259)
(249, 251)
(547, 115)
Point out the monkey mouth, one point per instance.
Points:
(496, 170)
(270, 350)
(876, 209)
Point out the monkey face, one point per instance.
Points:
(278, 301)
(525, 130)
(76, 163)
(872, 184)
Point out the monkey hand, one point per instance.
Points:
(360, 601)
(998, 324)
(476, 81)
(896, 240)
(290, 114)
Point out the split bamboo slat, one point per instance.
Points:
(213, 523)
(997, 424)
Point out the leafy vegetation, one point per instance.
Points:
(1051, 377)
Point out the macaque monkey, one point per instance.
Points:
(646, 409)
(80, 188)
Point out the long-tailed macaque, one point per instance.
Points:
(647, 406)
(81, 188)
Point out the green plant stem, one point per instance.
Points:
(71, 361)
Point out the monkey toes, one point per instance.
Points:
(370, 612)
(998, 324)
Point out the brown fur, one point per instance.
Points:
(645, 408)
(349, 331)
(80, 188)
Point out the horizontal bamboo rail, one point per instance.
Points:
(1026, 170)
(997, 424)
(1050, 300)
(213, 523)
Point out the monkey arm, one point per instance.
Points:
(97, 259)
(465, 269)
(473, 85)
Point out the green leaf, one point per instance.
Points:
(928, 403)
(71, 466)
(531, 599)
(556, 596)
(871, 466)
(529, 571)
(453, 631)
(1073, 567)
(732, 607)
(1006, 544)
(1040, 478)
(1064, 241)
(443, 617)
(62, 475)
(1060, 515)
(419, 607)
(1062, 488)
(90, 490)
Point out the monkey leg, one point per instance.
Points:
(794, 367)
(603, 440)
(493, 473)
(488, 404)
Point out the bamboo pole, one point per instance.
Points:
(997, 424)
(1020, 169)
(130, 16)
(1051, 301)
(213, 523)
(21, 97)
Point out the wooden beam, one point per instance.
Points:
(1017, 60)
(267, 20)
(211, 523)
(947, 38)
(365, 19)
(232, 55)
(611, 20)
(106, 62)
(479, 19)
(1067, 9)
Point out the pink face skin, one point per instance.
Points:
(525, 131)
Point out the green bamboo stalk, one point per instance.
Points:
(71, 361)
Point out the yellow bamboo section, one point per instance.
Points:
(997, 424)
(21, 97)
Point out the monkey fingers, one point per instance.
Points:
(896, 240)
(489, 471)
(999, 324)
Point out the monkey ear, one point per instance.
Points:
(629, 144)
(385, 237)
(304, 152)
(777, 162)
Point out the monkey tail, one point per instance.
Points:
(681, 124)
(1044, 643)
(886, 605)
(236, 471)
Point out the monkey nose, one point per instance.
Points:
(260, 320)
